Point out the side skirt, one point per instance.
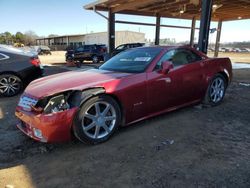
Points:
(164, 111)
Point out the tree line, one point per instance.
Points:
(28, 38)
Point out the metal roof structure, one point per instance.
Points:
(203, 10)
(224, 10)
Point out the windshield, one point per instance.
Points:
(131, 61)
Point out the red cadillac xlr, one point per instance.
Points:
(132, 86)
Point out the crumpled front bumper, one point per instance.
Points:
(55, 127)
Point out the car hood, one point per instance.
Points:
(72, 80)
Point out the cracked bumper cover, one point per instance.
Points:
(55, 127)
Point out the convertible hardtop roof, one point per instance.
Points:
(173, 47)
(167, 47)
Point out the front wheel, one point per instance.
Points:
(10, 85)
(97, 120)
(216, 91)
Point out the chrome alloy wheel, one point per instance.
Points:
(217, 90)
(95, 59)
(10, 85)
(99, 120)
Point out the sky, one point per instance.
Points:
(65, 17)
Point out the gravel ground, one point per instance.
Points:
(191, 147)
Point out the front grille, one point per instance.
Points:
(26, 103)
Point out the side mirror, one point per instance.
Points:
(166, 66)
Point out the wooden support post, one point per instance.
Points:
(157, 29)
(217, 44)
(192, 32)
(206, 12)
(111, 32)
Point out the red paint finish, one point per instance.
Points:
(54, 127)
(141, 95)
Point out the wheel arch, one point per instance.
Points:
(78, 98)
(12, 72)
(225, 76)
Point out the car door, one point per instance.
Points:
(89, 51)
(78, 53)
(160, 87)
(181, 85)
(191, 70)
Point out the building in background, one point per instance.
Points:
(62, 42)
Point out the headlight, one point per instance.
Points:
(56, 104)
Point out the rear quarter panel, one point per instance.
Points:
(15, 63)
(214, 66)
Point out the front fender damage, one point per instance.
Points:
(77, 98)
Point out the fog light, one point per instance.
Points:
(37, 133)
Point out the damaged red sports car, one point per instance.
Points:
(132, 86)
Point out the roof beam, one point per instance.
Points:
(230, 10)
(129, 6)
(91, 5)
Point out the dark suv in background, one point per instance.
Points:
(94, 53)
(124, 47)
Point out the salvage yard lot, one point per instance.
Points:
(58, 57)
(191, 147)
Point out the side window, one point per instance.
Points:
(184, 56)
(79, 49)
(121, 47)
(131, 46)
(180, 58)
(192, 57)
(168, 56)
(134, 45)
(87, 47)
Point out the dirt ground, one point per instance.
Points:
(191, 147)
(55, 58)
(235, 57)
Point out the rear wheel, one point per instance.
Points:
(97, 120)
(95, 59)
(10, 85)
(78, 64)
(216, 91)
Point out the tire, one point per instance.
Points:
(95, 59)
(216, 91)
(78, 64)
(97, 120)
(10, 85)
